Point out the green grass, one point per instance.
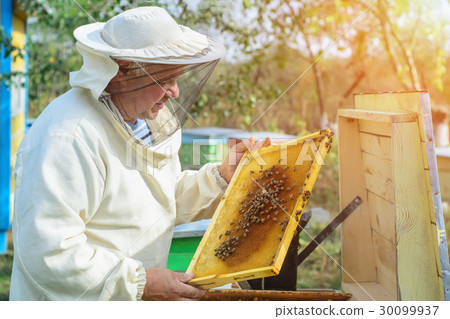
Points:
(6, 261)
(321, 269)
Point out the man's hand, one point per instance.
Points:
(228, 167)
(164, 284)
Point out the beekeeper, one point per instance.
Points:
(99, 186)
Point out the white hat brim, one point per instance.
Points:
(193, 48)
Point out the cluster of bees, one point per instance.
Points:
(325, 134)
(263, 204)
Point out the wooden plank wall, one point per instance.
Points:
(400, 206)
(418, 277)
(357, 251)
(376, 150)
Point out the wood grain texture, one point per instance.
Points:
(357, 251)
(398, 102)
(417, 260)
(378, 116)
(386, 263)
(375, 128)
(382, 216)
(380, 146)
(271, 295)
(367, 291)
(377, 166)
(383, 187)
(411, 191)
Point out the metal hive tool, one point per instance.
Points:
(252, 228)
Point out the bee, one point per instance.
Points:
(291, 196)
(294, 168)
(279, 237)
(227, 232)
(261, 166)
(220, 236)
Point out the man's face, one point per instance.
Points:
(142, 92)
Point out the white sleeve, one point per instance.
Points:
(59, 186)
(198, 193)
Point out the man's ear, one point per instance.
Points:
(124, 66)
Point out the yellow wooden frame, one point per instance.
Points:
(220, 273)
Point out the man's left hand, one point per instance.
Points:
(231, 162)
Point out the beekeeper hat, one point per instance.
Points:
(150, 35)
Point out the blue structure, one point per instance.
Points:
(5, 131)
(13, 101)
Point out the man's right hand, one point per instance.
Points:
(164, 284)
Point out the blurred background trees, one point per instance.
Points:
(290, 64)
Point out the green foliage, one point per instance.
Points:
(9, 50)
(52, 53)
(322, 268)
(6, 262)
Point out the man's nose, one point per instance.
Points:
(172, 89)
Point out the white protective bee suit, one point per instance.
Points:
(89, 218)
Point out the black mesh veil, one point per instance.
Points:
(162, 93)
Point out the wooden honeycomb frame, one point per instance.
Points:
(279, 169)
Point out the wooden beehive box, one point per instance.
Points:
(393, 245)
(252, 228)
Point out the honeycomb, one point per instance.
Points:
(253, 225)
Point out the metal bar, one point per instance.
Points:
(436, 194)
(329, 229)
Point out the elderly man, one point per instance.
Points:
(99, 187)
